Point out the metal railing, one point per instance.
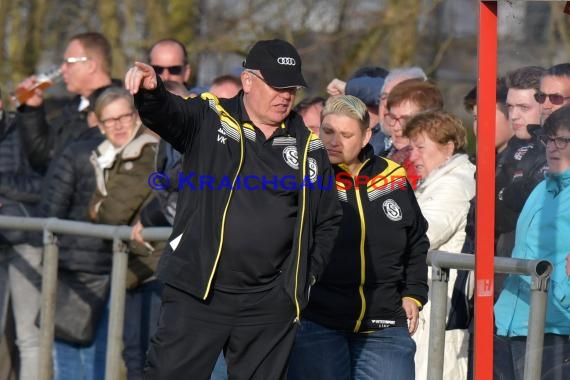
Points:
(118, 234)
(539, 270)
(441, 262)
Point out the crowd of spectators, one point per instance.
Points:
(92, 162)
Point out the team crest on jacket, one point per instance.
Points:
(291, 156)
(392, 210)
(313, 169)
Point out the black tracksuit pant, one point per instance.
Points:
(255, 331)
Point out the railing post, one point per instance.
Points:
(47, 311)
(438, 318)
(536, 322)
(117, 310)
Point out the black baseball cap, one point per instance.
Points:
(278, 61)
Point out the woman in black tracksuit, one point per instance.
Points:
(363, 310)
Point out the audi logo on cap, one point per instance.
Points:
(286, 61)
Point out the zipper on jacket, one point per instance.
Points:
(300, 240)
(223, 113)
(361, 249)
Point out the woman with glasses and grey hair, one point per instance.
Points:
(123, 164)
(365, 307)
(542, 232)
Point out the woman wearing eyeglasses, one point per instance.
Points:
(407, 99)
(542, 232)
(123, 163)
(125, 157)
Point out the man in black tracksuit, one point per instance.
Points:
(248, 239)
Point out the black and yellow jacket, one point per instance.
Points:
(380, 253)
(210, 133)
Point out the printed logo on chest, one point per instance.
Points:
(222, 137)
(392, 210)
(291, 156)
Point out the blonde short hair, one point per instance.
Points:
(349, 106)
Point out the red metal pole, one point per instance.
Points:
(485, 213)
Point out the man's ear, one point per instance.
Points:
(246, 81)
(187, 72)
(92, 64)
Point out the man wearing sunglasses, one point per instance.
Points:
(169, 59)
(554, 89)
(245, 255)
